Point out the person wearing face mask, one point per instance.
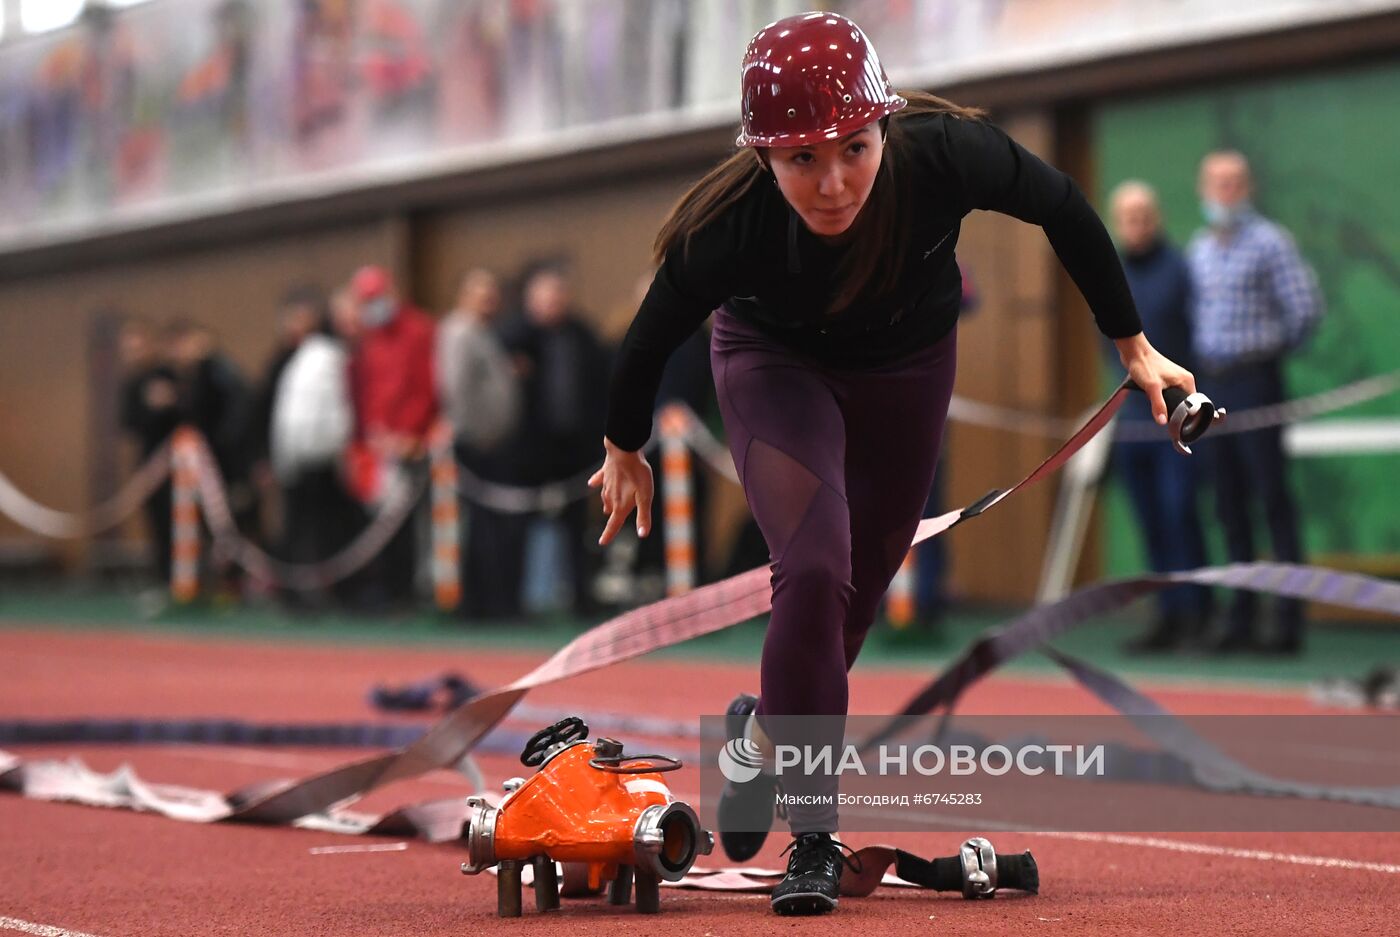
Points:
(1160, 483)
(395, 395)
(826, 245)
(1257, 301)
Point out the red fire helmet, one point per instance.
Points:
(811, 78)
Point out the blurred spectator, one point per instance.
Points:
(1161, 484)
(1256, 301)
(480, 394)
(304, 310)
(215, 399)
(150, 413)
(476, 380)
(312, 423)
(392, 386)
(214, 396)
(563, 370)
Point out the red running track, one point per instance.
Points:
(120, 874)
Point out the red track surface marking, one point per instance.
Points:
(121, 874)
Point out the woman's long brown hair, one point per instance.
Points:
(874, 265)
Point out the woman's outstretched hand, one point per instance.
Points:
(625, 482)
(1152, 372)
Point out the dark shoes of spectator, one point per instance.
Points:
(813, 880)
(1165, 635)
(1235, 641)
(1289, 645)
(1173, 632)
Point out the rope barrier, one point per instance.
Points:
(403, 494)
(682, 433)
(64, 525)
(1279, 414)
(517, 499)
(551, 498)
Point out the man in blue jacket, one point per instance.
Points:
(1160, 483)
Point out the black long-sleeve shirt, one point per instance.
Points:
(765, 267)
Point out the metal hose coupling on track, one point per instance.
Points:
(479, 831)
(668, 839)
(976, 871)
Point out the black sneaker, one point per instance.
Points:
(813, 880)
(745, 811)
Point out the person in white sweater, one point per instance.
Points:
(313, 421)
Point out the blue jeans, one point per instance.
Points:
(1162, 486)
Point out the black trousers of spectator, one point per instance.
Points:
(1251, 472)
(398, 564)
(581, 529)
(493, 549)
(493, 562)
(1162, 487)
(157, 508)
(319, 519)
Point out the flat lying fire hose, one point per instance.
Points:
(315, 800)
(1187, 754)
(661, 624)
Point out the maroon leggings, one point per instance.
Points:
(836, 466)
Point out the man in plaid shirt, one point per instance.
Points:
(1256, 300)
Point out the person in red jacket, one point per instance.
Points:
(395, 397)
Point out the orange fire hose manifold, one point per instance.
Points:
(608, 816)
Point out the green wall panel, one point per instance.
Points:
(1325, 149)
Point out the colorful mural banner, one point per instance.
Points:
(178, 109)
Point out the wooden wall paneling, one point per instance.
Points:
(1080, 348)
(1004, 358)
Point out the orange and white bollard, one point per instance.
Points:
(184, 515)
(446, 538)
(899, 600)
(678, 502)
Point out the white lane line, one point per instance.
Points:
(1121, 839)
(1209, 849)
(376, 847)
(1143, 842)
(39, 930)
